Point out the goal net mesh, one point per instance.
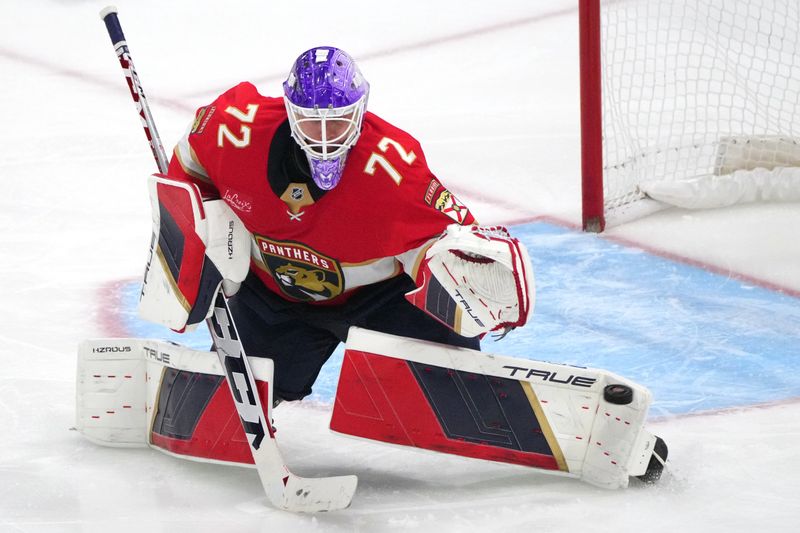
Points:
(685, 82)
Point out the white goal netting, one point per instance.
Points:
(696, 91)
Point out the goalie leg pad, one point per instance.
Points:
(111, 392)
(139, 392)
(194, 417)
(551, 417)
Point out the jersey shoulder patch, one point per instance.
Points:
(201, 119)
(441, 199)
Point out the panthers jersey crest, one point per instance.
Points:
(300, 272)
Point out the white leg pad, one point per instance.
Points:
(111, 392)
(118, 380)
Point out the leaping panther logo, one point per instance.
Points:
(310, 281)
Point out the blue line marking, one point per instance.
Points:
(696, 339)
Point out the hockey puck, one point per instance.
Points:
(618, 394)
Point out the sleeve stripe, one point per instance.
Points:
(413, 258)
(188, 160)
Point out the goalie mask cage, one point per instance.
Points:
(677, 91)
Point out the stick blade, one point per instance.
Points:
(314, 495)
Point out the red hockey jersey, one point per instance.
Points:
(307, 244)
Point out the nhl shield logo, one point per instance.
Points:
(300, 272)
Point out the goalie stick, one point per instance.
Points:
(284, 489)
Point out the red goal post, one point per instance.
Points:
(688, 103)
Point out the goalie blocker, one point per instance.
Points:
(577, 422)
(197, 247)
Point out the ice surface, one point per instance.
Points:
(491, 91)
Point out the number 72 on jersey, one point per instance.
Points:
(379, 159)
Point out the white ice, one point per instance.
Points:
(491, 90)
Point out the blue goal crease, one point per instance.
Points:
(698, 340)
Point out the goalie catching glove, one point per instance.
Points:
(475, 280)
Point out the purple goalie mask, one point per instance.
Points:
(326, 98)
(327, 172)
